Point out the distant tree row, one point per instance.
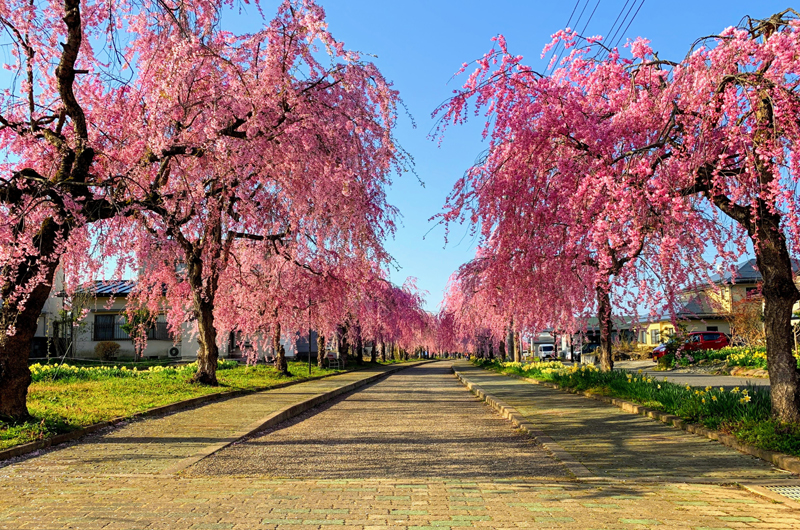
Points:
(612, 178)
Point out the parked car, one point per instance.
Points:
(706, 340)
(658, 352)
(547, 351)
(697, 340)
(589, 348)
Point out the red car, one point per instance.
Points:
(706, 340)
(697, 340)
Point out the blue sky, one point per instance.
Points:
(420, 44)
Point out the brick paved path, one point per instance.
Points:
(418, 423)
(154, 445)
(614, 443)
(416, 408)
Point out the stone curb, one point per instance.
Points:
(771, 495)
(518, 420)
(279, 416)
(58, 439)
(779, 460)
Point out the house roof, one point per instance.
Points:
(112, 287)
(747, 272)
(619, 322)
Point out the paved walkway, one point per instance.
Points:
(156, 444)
(418, 423)
(692, 379)
(444, 459)
(618, 444)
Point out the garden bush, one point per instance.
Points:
(106, 350)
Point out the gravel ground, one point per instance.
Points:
(419, 423)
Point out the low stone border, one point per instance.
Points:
(518, 420)
(282, 415)
(58, 439)
(779, 460)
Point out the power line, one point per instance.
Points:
(582, 12)
(620, 24)
(629, 23)
(617, 19)
(583, 31)
(576, 23)
(558, 44)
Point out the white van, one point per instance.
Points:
(547, 351)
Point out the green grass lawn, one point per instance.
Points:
(745, 413)
(70, 398)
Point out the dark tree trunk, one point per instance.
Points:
(780, 295)
(280, 353)
(605, 323)
(208, 354)
(517, 348)
(320, 350)
(383, 352)
(509, 342)
(15, 377)
(373, 355)
(342, 345)
(203, 300)
(359, 349)
(774, 263)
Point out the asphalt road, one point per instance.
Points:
(691, 379)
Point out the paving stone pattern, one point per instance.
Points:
(152, 445)
(66, 495)
(224, 503)
(417, 423)
(614, 443)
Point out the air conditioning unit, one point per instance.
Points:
(174, 352)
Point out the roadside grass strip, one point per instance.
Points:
(742, 412)
(65, 398)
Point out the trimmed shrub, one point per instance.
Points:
(107, 350)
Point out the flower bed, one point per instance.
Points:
(744, 356)
(744, 413)
(58, 372)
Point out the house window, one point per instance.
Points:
(643, 337)
(653, 336)
(104, 327)
(712, 328)
(752, 292)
